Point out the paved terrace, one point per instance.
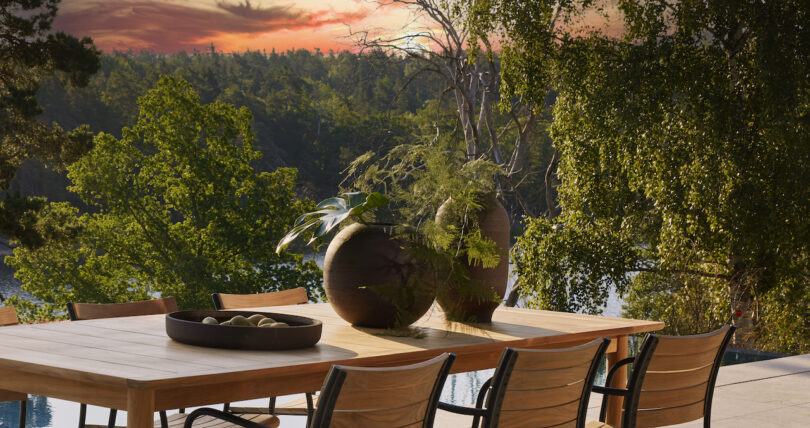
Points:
(771, 393)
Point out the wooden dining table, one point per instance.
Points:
(131, 364)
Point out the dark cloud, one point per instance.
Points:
(269, 14)
(170, 27)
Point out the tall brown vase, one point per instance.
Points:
(494, 222)
(372, 281)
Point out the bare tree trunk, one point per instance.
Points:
(466, 122)
(553, 208)
(743, 303)
(522, 144)
(553, 211)
(742, 283)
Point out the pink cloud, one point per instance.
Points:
(171, 27)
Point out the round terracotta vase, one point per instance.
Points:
(494, 222)
(372, 281)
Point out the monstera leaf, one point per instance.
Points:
(330, 213)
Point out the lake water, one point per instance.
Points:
(8, 285)
(48, 412)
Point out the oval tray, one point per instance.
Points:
(186, 327)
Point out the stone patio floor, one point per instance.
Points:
(772, 393)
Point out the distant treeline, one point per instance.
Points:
(312, 111)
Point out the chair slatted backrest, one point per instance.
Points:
(679, 382)
(8, 316)
(91, 311)
(295, 296)
(406, 396)
(544, 388)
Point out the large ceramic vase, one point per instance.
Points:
(494, 223)
(372, 281)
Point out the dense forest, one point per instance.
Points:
(312, 111)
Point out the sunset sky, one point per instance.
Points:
(231, 25)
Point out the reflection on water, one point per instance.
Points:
(38, 415)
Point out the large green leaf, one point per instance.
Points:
(331, 212)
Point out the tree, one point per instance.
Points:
(28, 52)
(462, 55)
(684, 143)
(179, 211)
(531, 34)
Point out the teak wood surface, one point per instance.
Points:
(131, 364)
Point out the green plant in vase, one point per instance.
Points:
(457, 227)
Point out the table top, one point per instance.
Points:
(135, 352)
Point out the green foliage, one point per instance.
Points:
(571, 265)
(313, 112)
(178, 210)
(28, 51)
(784, 323)
(687, 304)
(531, 33)
(688, 139)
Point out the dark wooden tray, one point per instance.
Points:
(186, 327)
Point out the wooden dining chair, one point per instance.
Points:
(295, 296)
(672, 380)
(8, 316)
(361, 397)
(537, 388)
(91, 311)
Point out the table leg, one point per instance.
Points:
(614, 410)
(140, 408)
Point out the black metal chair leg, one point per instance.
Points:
(310, 407)
(164, 421)
(82, 414)
(271, 406)
(111, 420)
(23, 412)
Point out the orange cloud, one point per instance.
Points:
(170, 27)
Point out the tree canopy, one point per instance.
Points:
(315, 112)
(177, 210)
(684, 144)
(29, 51)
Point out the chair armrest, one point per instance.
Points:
(479, 401)
(610, 391)
(205, 411)
(612, 371)
(607, 390)
(616, 366)
(462, 410)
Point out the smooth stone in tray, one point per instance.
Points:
(187, 327)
